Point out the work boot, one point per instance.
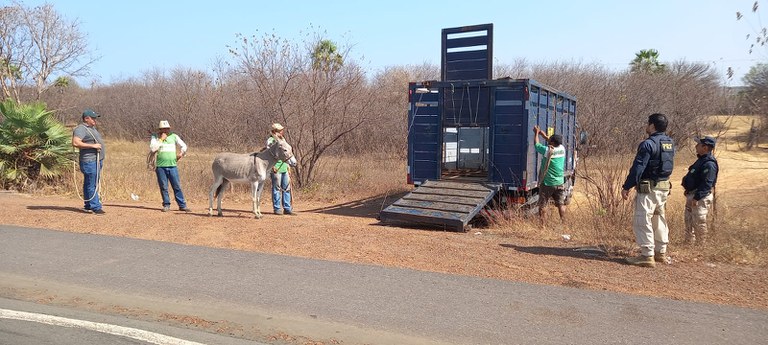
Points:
(662, 257)
(166, 208)
(185, 209)
(641, 260)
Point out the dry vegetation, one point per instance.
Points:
(597, 216)
(337, 221)
(739, 231)
(339, 179)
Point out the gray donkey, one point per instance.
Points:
(250, 168)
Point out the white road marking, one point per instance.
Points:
(138, 334)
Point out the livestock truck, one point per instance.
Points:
(470, 137)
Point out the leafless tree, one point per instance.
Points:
(318, 106)
(38, 43)
(388, 135)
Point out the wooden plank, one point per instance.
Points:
(446, 224)
(442, 198)
(439, 206)
(450, 192)
(427, 213)
(457, 185)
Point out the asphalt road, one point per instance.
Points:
(353, 303)
(70, 326)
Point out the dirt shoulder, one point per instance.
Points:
(350, 232)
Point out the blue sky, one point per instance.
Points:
(133, 37)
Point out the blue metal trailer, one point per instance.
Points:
(470, 137)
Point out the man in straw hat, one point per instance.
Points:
(164, 144)
(281, 180)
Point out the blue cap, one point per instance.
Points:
(90, 113)
(707, 140)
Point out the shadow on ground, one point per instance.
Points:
(588, 253)
(56, 208)
(365, 208)
(138, 207)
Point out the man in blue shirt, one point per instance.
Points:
(649, 176)
(699, 185)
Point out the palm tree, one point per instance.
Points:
(325, 57)
(647, 61)
(33, 144)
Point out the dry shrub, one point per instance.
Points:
(514, 222)
(358, 177)
(341, 179)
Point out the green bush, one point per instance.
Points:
(34, 146)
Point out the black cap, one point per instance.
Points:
(90, 113)
(707, 140)
(556, 138)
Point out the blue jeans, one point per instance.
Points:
(280, 190)
(165, 174)
(89, 170)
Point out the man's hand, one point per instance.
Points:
(625, 194)
(178, 156)
(96, 146)
(274, 170)
(536, 129)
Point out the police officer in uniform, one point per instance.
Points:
(699, 184)
(649, 175)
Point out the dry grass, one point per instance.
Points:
(739, 234)
(339, 179)
(597, 216)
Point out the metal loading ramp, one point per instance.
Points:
(442, 203)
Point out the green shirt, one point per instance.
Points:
(281, 166)
(166, 150)
(555, 172)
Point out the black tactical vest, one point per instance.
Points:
(662, 158)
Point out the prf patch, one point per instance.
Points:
(666, 146)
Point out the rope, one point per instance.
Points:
(98, 172)
(415, 111)
(453, 102)
(461, 108)
(151, 164)
(477, 107)
(98, 179)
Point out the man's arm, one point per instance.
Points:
(537, 131)
(638, 165)
(80, 144)
(154, 144)
(182, 145)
